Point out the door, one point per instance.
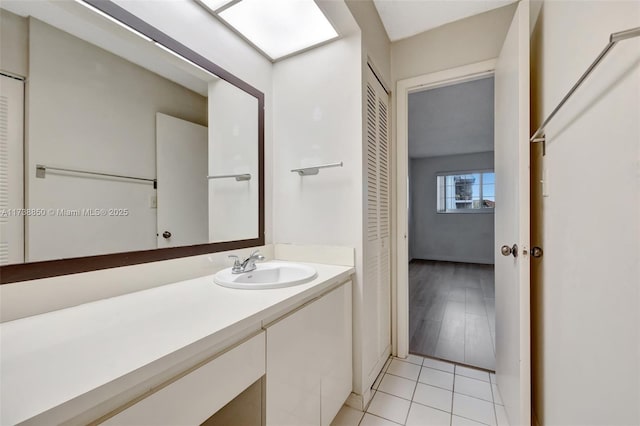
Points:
(181, 158)
(11, 170)
(513, 365)
(377, 254)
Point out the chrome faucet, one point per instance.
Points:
(247, 265)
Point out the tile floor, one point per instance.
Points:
(419, 391)
(452, 312)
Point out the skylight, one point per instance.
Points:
(279, 27)
(215, 4)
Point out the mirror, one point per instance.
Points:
(126, 148)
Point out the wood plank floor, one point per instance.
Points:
(452, 312)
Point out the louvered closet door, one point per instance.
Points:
(11, 170)
(377, 280)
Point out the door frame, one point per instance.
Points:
(400, 225)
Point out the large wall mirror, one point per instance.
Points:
(119, 144)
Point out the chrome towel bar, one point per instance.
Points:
(41, 172)
(614, 38)
(238, 177)
(314, 170)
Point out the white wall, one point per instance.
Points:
(88, 109)
(586, 289)
(317, 120)
(452, 237)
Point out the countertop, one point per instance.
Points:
(73, 359)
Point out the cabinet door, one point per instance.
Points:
(335, 354)
(309, 362)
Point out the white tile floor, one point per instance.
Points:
(419, 391)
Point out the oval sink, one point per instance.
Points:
(272, 274)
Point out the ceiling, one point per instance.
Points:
(405, 18)
(452, 120)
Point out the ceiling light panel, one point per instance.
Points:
(279, 27)
(214, 5)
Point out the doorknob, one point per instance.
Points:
(506, 250)
(536, 252)
(166, 234)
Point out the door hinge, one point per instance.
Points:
(543, 140)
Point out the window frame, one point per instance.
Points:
(481, 172)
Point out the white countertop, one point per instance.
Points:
(55, 358)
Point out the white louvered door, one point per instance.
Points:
(11, 170)
(377, 256)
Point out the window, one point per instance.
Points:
(469, 192)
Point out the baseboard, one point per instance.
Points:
(355, 401)
(456, 260)
(359, 402)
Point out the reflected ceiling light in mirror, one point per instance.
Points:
(279, 27)
(112, 19)
(182, 58)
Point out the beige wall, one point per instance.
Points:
(466, 41)
(375, 43)
(14, 39)
(586, 290)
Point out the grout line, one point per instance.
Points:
(453, 393)
(429, 406)
(409, 362)
(474, 397)
(469, 418)
(391, 374)
(413, 395)
(495, 412)
(380, 417)
(390, 394)
(366, 409)
(401, 360)
(361, 417)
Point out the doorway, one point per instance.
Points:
(511, 161)
(451, 202)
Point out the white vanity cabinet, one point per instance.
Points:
(193, 398)
(177, 354)
(309, 371)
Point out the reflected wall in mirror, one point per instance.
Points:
(127, 146)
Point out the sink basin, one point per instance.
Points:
(272, 274)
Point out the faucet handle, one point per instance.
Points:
(236, 262)
(256, 255)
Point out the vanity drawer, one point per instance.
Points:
(193, 398)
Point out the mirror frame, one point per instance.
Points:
(52, 268)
